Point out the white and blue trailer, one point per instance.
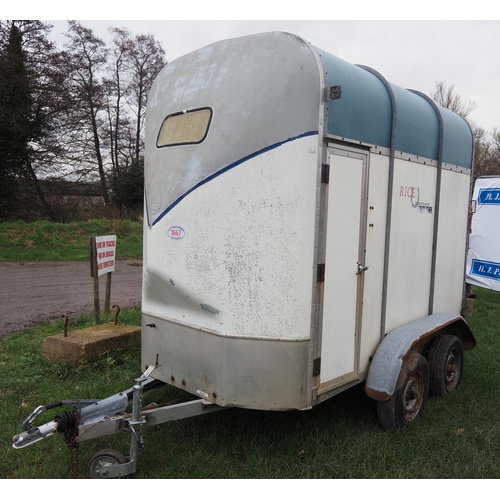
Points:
(306, 229)
(483, 260)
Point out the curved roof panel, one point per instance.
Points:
(364, 113)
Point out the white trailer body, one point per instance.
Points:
(298, 209)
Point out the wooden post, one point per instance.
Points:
(107, 297)
(95, 275)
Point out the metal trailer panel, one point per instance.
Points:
(256, 373)
(411, 243)
(458, 140)
(364, 113)
(263, 90)
(231, 295)
(244, 266)
(375, 244)
(417, 127)
(450, 261)
(242, 277)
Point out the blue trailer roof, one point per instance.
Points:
(364, 113)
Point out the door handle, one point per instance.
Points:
(361, 268)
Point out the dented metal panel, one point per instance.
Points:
(248, 372)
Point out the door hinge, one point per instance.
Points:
(325, 173)
(316, 367)
(321, 273)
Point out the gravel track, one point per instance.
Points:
(34, 293)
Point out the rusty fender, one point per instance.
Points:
(388, 358)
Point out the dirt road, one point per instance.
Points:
(32, 293)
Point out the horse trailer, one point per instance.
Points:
(305, 230)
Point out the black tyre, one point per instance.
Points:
(104, 457)
(446, 364)
(409, 398)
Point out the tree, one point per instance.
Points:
(486, 148)
(116, 85)
(28, 87)
(87, 56)
(76, 114)
(146, 59)
(134, 63)
(128, 190)
(445, 96)
(15, 104)
(109, 89)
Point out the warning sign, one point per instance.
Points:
(106, 253)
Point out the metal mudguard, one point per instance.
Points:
(386, 364)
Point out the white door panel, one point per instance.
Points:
(344, 254)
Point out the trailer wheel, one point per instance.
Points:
(446, 364)
(409, 398)
(104, 457)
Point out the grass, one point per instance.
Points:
(458, 436)
(49, 241)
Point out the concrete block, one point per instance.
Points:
(88, 344)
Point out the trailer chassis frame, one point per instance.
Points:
(105, 417)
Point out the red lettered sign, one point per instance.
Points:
(106, 253)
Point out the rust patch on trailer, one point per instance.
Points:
(399, 344)
(458, 328)
(377, 395)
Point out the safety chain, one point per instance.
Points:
(70, 436)
(139, 437)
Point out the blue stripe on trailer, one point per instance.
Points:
(231, 166)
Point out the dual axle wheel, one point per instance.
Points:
(439, 374)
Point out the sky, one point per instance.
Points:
(459, 47)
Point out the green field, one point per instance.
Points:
(49, 241)
(458, 436)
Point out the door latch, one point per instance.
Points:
(361, 268)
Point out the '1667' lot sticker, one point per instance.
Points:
(176, 232)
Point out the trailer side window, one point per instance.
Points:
(184, 127)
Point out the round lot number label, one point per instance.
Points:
(176, 232)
